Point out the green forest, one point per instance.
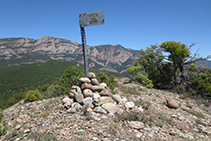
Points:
(49, 79)
(15, 81)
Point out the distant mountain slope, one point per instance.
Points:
(24, 50)
(15, 80)
(206, 63)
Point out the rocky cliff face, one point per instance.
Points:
(25, 50)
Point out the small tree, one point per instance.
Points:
(199, 80)
(152, 66)
(178, 53)
(32, 96)
(71, 76)
(111, 82)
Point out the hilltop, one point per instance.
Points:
(149, 119)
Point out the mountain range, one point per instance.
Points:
(15, 51)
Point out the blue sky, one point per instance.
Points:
(132, 23)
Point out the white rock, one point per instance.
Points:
(91, 75)
(87, 100)
(95, 95)
(129, 105)
(116, 97)
(66, 100)
(120, 111)
(77, 106)
(84, 80)
(110, 107)
(136, 124)
(103, 85)
(100, 110)
(140, 109)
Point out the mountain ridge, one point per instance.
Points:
(25, 50)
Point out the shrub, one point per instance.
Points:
(45, 136)
(111, 82)
(144, 80)
(179, 89)
(55, 91)
(102, 77)
(3, 128)
(71, 76)
(200, 80)
(33, 96)
(1, 114)
(43, 88)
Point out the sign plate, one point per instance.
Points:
(90, 19)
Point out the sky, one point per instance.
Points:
(134, 24)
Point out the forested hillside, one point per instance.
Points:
(15, 80)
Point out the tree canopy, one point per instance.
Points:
(168, 66)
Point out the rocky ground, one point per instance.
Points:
(149, 119)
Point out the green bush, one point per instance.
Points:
(102, 77)
(45, 136)
(43, 88)
(3, 128)
(179, 89)
(144, 80)
(33, 96)
(55, 91)
(111, 82)
(200, 80)
(71, 76)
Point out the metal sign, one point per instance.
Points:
(90, 19)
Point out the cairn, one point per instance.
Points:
(91, 96)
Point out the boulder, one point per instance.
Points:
(103, 85)
(78, 90)
(105, 93)
(87, 93)
(74, 87)
(189, 105)
(86, 108)
(91, 75)
(67, 105)
(140, 109)
(77, 106)
(94, 82)
(95, 95)
(73, 91)
(100, 110)
(130, 105)
(123, 101)
(136, 124)
(110, 107)
(86, 86)
(87, 100)
(120, 111)
(79, 98)
(116, 97)
(84, 80)
(97, 88)
(105, 99)
(71, 95)
(71, 110)
(172, 104)
(67, 102)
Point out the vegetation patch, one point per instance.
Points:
(197, 114)
(46, 136)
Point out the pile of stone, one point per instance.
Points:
(91, 96)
